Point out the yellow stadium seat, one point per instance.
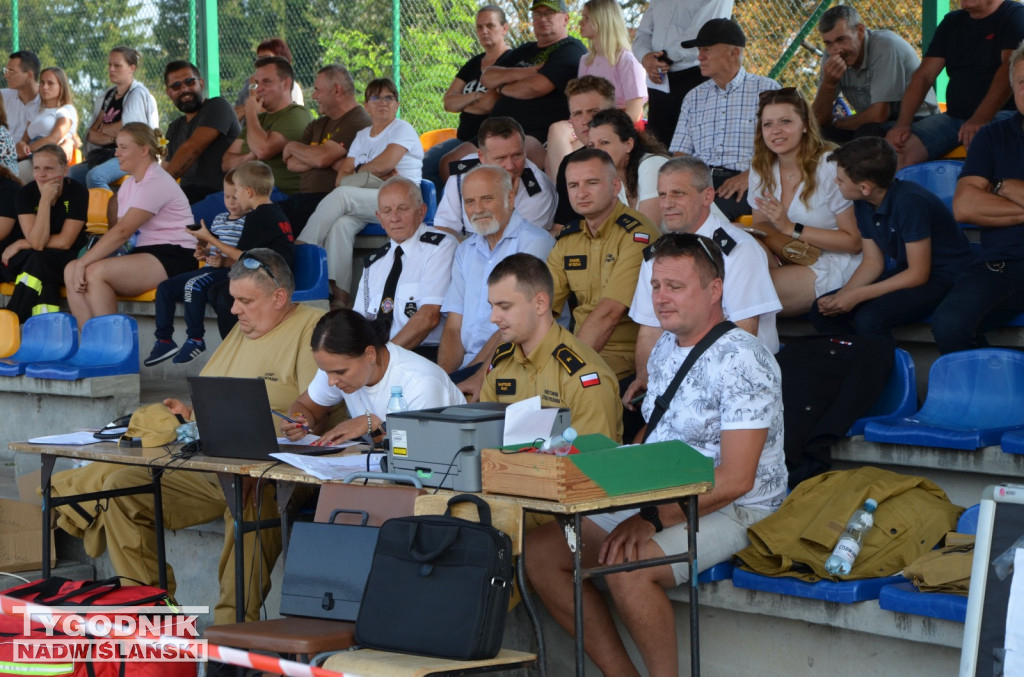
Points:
(10, 333)
(96, 221)
(957, 153)
(436, 136)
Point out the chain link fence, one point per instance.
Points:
(435, 37)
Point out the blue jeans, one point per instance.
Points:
(879, 316)
(100, 176)
(983, 297)
(432, 163)
(191, 289)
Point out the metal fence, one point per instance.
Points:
(422, 49)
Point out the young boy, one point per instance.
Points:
(252, 221)
(913, 248)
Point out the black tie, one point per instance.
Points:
(387, 301)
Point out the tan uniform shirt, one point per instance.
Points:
(606, 265)
(565, 373)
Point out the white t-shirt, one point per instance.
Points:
(734, 385)
(537, 208)
(832, 269)
(747, 290)
(424, 385)
(44, 121)
(19, 113)
(365, 148)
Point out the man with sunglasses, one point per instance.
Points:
(728, 407)
(686, 194)
(270, 342)
(197, 140)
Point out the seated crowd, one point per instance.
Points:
(584, 272)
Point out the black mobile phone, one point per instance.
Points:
(665, 60)
(193, 226)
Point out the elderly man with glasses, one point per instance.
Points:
(271, 342)
(727, 406)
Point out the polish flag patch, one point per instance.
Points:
(642, 237)
(591, 379)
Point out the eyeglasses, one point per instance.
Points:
(688, 243)
(178, 84)
(253, 263)
(386, 99)
(11, 71)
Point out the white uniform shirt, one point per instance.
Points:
(747, 290)
(426, 273)
(19, 113)
(536, 199)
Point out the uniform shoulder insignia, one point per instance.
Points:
(568, 358)
(723, 240)
(462, 166)
(434, 238)
(376, 255)
(627, 222)
(648, 252)
(530, 182)
(569, 229)
(501, 352)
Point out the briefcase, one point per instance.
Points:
(326, 568)
(439, 586)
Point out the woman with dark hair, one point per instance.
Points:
(269, 47)
(152, 218)
(792, 191)
(358, 367)
(56, 122)
(51, 213)
(637, 156)
(127, 101)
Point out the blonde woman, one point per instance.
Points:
(151, 204)
(55, 123)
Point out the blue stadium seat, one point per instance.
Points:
(899, 398)
(110, 346)
(720, 572)
(213, 204)
(429, 193)
(906, 599)
(938, 176)
(844, 592)
(1013, 442)
(52, 336)
(973, 398)
(310, 273)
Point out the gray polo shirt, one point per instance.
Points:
(889, 62)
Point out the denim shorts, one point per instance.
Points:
(939, 132)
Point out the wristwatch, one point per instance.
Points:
(798, 229)
(650, 513)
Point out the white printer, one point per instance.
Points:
(442, 446)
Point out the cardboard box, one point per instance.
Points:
(21, 537)
(600, 469)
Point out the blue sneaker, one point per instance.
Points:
(162, 350)
(191, 349)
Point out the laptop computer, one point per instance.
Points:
(234, 420)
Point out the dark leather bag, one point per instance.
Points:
(439, 586)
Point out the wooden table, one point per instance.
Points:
(230, 472)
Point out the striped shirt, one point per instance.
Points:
(226, 229)
(718, 125)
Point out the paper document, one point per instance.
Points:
(75, 439)
(310, 438)
(330, 467)
(526, 422)
(659, 86)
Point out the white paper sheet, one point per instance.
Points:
(1013, 664)
(75, 439)
(526, 421)
(330, 467)
(310, 438)
(659, 86)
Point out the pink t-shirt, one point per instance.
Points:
(628, 76)
(159, 194)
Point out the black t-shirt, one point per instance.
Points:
(113, 106)
(215, 113)
(9, 209)
(470, 73)
(268, 226)
(73, 203)
(973, 49)
(561, 65)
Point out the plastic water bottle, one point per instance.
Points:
(841, 561)
(397, 403)
(560, 445)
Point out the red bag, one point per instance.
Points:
(60, 592)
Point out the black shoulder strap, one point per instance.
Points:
(661, 402)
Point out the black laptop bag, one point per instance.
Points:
(439, 586)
